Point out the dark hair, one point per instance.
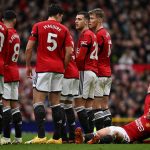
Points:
(9, 15)
(85, 14)
(98, 12)
(54, 9)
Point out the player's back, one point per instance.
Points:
(11, 72)
(72, 71)
(51, 44)
(104, 44)
(3, 33)
(138, 129)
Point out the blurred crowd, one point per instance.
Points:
(129, 27)
(127, 21)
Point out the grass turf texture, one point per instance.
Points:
(29, 136)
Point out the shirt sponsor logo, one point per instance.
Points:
(139, 125)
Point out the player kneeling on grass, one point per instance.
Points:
(137, 130)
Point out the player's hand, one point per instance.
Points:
(29, 72)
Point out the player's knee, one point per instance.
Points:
(39, 111)
(16, 116)
(7, 115)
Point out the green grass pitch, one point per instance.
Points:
(28, 136)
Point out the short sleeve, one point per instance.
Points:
(34, 33)
(68, 40)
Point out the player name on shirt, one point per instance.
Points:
(139, 125)
(13, 37)
(52, 27)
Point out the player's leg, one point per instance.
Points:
(7, 117)
(98, 113)
(70, 115)
(73, 88)
(100, 136)
(64, 95)
(17, 121)
(80, 105)
(92, 138)
(57, 111)
(90, 81)
(90, 114)
(105, 102)
(40, 89)
(64, 124)
(16, 114)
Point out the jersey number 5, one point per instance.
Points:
(51, 40)
(1, 41)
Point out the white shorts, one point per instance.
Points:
(87, 84)
(1, 85)
(103, 86)
(70, 89)
(121, 131)
(48, 82)
(11, 91)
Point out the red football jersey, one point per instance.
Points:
(104, 44)
(3, 34)
(72, 71)
(138, 129)
(147, 104)
(11, 71)
(87, 50)
(52, 38)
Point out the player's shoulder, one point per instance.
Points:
(2, 27)
(63, 27)
(89, 33)
(103, 32)
(13, 34)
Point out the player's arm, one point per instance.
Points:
(28, 55)
(29, 48)
(68, 55)
(69, 45)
